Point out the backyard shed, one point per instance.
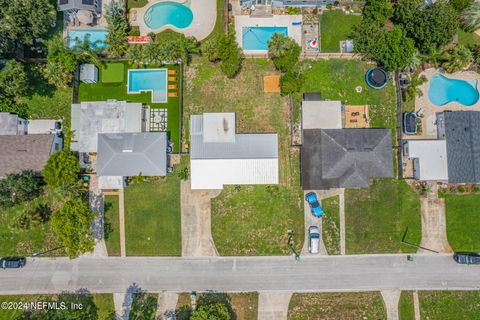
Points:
(88, 73)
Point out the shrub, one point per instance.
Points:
(283, 51)
(291, 82)
(61, 169)
(19, 187)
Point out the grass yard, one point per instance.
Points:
(152, 217)
(136, 3)
(102, 91)
(331, 225)
(405, 306)
(468, 38)
(103, 305)
(244, 305)
(447, 305)
(250, 220)
(330, 306)
(377, 217)
(112, 225)
(463, 222)
(336, 26)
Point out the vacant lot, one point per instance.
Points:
(333, 306)
(463, 222)
(250, 220)
(446, 305)
(112, 225)
(331, 225)
(377, 217)
(336, 26)
(152, 217)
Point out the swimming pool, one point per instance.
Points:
(444, 90)
(164, 13)
(256, 38)
(96, 37)
(144, 80)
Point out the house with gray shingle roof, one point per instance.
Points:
(345, 158)
(75, 5)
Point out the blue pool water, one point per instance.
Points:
(96, 37)
(444, 90)
(153, 80)
(163, 13)
(256, 38)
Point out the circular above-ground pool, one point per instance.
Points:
(168, 13)
(444, 90)
(376, 78)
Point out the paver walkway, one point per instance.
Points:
(167, 303)
(197, 238)
(273, 305)
(434, 224)
(121, 220)
(391, 299)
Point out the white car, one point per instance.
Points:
(313, 239)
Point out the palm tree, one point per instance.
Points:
(456, 59)
(152, 54)
(413, 90)
(86, 51)
(471, 17)
(135, 54)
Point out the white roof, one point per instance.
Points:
(323, 114)
(215, 173)
(219, 127)
(432, 158)
(41, 126)
(88, 72)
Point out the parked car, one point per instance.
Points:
(315, 207)
(12, 262)
(467, 258)
(313, 239)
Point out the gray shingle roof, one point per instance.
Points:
(345, 158)
(78, 5)
(24, 152)
(131, 154)
(462, 132)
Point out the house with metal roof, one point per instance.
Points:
(219, 156)
(345, 158)
(455, 156)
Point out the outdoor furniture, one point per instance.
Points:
(172, 79)
(172, 86)
(174, 72)
(173, 94)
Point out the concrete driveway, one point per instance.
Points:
(311, 220)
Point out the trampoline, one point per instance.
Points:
(376, 78)
(410, 122)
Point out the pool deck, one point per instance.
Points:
(204, 16)
(294, 32)
(428, 109)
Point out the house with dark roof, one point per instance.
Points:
(12, 124)
(345, 158)
(73, 6)
(455, 156)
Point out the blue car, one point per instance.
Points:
(315, 206)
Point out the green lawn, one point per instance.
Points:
(468, 38)
(250, 220)
(113, 72)
(348, 305)
(447, 305)
(463, 222)
(112, 225)
(103, 91)
(152, 217)
(136, 3)
(405, 306)
(377, 217)
(103, 302)
(336, 26)
(331, 225)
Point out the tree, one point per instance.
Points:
(86, 52)
(13, 79)
(115, 13)
(456, 58)
(19, 187)
(377, 11)
(216, 311)
(471, 17)
(405, 10)
(72, 226)
(186, 46)
(229, 54)
(413, 90)
(61, 63)
(291, 82)
(135, 54)
(283, 51)
(7, 104)
(460, 5)
(144, 306)
(62, 168)
(209, 49)
(399, 49)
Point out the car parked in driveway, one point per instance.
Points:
(315, 206)
(313, 239)
(467, 258)
(12, 262)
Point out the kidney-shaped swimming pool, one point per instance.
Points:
(444, 90)
(168, 13)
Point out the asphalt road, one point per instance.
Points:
(331, 273)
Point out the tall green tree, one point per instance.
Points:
(61, 63)
(471, 17)
(7, 104)
(229, 54)
(405, 10)
(413, 90)
(460, 5)
(19, 187)
(377, 11)
(135, 54)
(216, 311)
(399, 49)
(209, 49)
(144, 306)
(13, 79)
(116, 16)
(72, 226)
(283, 51)
(62, 168)
(456, 59)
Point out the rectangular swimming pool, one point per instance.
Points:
(256, 38)
(144, 80)
(96, 37)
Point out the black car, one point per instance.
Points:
(467, 258)
(12, 262)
